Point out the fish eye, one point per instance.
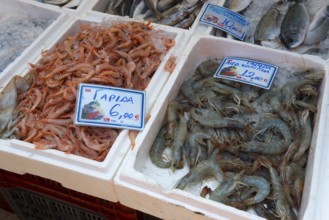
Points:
(290, 40)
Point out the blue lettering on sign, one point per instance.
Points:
(231, 63)
(230, 25)
(255, 66)
(112, 97)
(115, 113)
(226, 20)
(251, 75)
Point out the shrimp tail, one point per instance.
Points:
(264, 162)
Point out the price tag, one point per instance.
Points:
(247, 71)
(226, 20)
(107, 106)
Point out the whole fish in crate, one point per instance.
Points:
(269, 27)
(237, 5)
(319, 27)
(178, 13)
(63, 3)
(295, 25)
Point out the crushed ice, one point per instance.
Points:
(18, 30)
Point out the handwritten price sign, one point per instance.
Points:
(106, 106)
(247, 71)
(226, 20)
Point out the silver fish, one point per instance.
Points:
(152, 5)
(8, 100)
(302, 49)
(164, 5)
(269, 26)
(180, 11)
(237, 5)
(295, 25)
(319, 27)
(273, 43)
(9, 55)
(124, 9)
(134, 6)
(187, 22)
(72, 4)
(114, 7)
(56, 2)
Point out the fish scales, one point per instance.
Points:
(180, 11)
(319, 27)
(295, 25)
(269, 26)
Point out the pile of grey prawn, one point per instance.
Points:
(177, 13)
(253, 142)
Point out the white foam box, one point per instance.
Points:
(99, 6)
(82, 7)
(143, 186)
(72, 171)
(31, 53)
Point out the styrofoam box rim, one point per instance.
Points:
(84, 5)
(28, 54)
(54, 164)
(177, 204)
(196, 28)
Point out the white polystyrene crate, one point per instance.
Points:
(80, 10)
(141, 185)
(31, 53)
(99, 6)
(72, 171)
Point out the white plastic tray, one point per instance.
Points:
(80, 10)
(30, 53)
(75, 172)
(142, 186)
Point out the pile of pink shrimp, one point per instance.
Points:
(123, 55)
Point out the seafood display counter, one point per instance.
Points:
(155, 181)
(229, 174)
(26, 27)
(89, 168)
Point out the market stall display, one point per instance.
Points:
(77, 56)
(210, 148)
(213, 137)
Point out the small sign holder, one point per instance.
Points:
(247, 71)
(226, 20)
(106, 106)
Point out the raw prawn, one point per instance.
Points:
(157, 149)
(203, 170)
(177, 144)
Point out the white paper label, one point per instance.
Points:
(226, 20)
(106, 106)
(247, 71)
